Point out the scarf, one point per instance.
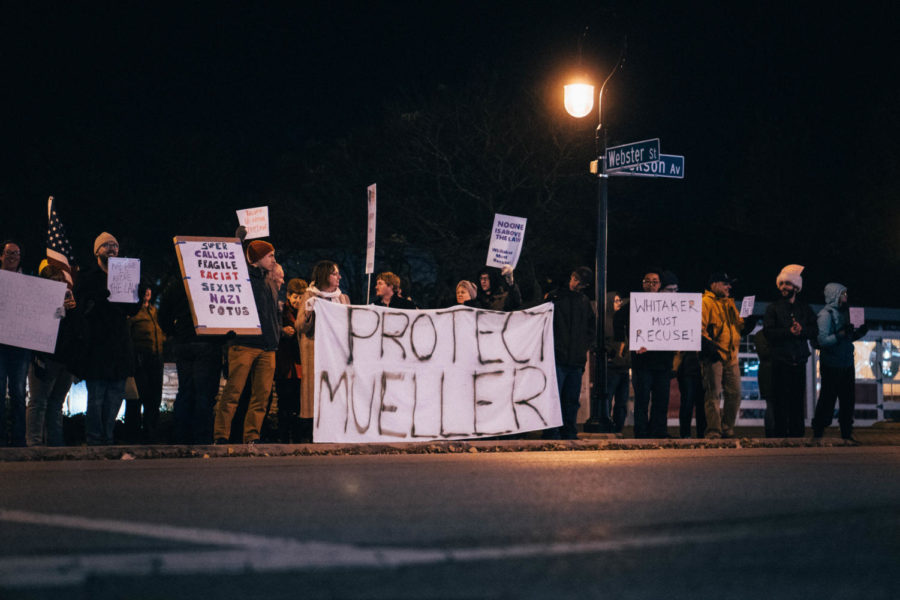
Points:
(317, 293)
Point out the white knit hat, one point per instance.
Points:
(791, 273)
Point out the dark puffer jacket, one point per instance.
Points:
(573, 327)
(107, 353)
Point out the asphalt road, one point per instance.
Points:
(730, 523)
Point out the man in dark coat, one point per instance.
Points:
(574, 331)
(789, 325)
(107, 360)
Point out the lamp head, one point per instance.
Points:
(579, 99)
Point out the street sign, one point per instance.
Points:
(668, 165)
(630, 155)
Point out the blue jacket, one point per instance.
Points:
(835, 331)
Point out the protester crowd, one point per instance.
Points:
(117, 349)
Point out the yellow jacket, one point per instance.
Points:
(722, 325)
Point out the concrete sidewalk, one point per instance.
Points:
(880, 434)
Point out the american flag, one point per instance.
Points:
(59, 250)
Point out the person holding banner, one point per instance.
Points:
(13, 363)
(387, 292)
(326, 279)
(107, 360)
(651, 373)
(49, 379)
(252, 355)
(573, 334)
(722, 326)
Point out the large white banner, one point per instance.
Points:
(386, 375)
(29, 311)
(664, 321)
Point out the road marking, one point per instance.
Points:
(254, 553)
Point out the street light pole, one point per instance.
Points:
(599, 420)
(579, 102)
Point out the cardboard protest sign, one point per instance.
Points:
(123, 278)
(218, 285)
(664, 321)
(29, 306)
(747, 306)
(506, 240)
(414, 375)
(370, 230)
(256, 220)
(857, 316)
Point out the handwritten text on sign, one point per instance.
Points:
(256, 220)
(665, 321)
(218, 284)
(123, 279)
(394, 375)
(507, 236)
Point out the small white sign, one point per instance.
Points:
(857, 316)
(747, 306)
(256, 220)
(123, 279)
(28, 311)
(506, 240)
(370, 231)
(665, 321)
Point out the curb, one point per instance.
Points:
(439, 447)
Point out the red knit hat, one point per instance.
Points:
(258, 249)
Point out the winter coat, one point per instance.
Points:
(614, 360)
(722, 325)
(108, 352)
(786, 347)
(146, 334)
(269, 317)
(573, 327)
(836, 333)
(287, 357)
(306, 329)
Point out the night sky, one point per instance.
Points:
(154, 119)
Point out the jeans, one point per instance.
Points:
(720, 378)
(49, 382)
(241, 361)
(104, 400)
(199, 366)
(617, 396)
(651, 391)
(838, 383)
(13, 371)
